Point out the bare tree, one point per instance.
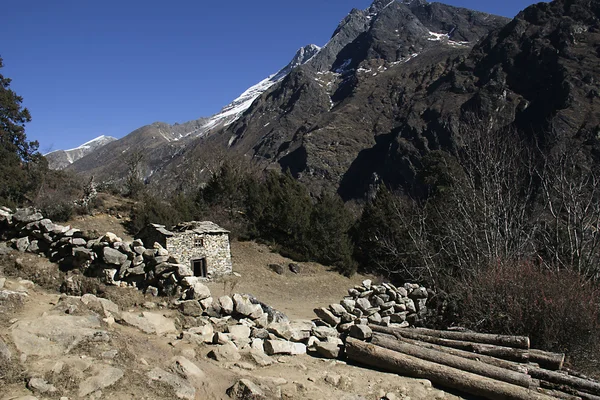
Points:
(488, 215)
(571, 192)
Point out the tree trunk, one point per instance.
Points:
(392, 361)
(546, 359)
(517, 342)
(464, 364)
(562, 379)
(506, 353)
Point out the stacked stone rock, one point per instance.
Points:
(110, 258)
(241, 323)
(384, 304)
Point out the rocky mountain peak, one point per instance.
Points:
(60, 159)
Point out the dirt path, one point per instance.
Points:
(296, 295)
(136, 353)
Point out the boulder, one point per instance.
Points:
(278, 269)
(300, 330)
(410, 306)
(245, 307)
(113, 257)
(273, 347)
(39, 385)
(183, 271)
(25, 216)
(227, 352)
(22, 244)
(245, 389)
(361, 332)
(337, 309)
(259, 357)
(102, 377)
(181, 387)
(348, 304)
(107, 306)
(280, 329)
(327, 349)
(239, 332)
(205, 332)
(327, 316)
(363, 304)
(298, 349)
(51, 335)
(191, 308)
(226, 304)
(322, 332)
(150, 323)
(200, 291)
(375, 318)
(187, 370)
(111, 238)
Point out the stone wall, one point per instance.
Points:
(215, 248)
(109, 258)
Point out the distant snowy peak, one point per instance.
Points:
(94, 143)
(60, 159)
(231, 112)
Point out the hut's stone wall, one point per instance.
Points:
(188, 246)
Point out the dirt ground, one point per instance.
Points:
(296, 295)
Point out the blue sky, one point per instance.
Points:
(87, 68)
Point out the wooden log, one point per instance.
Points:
(497, 362)
(568, 389)
(558, 394)
(547, 359)
(517, 342)
(563, 379)
(389, 360)
(506, 353)
(464, 364)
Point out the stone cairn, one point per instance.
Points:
(109, 258)
(385, 305)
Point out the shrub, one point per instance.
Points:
(559, 310)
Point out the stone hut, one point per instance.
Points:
(204, 246)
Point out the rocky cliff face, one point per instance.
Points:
(330, 120)
(401, 79)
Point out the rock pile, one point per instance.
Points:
(241, 323)
(110, 258)
(385, 305)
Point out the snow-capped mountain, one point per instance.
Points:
(60, 159)
(231, 112)
(161, 142)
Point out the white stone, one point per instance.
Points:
(239, 332)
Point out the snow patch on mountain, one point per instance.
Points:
(230, 113)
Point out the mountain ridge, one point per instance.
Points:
(397, 81)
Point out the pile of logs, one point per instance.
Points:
(490, 366)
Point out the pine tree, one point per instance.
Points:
(22, 166)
